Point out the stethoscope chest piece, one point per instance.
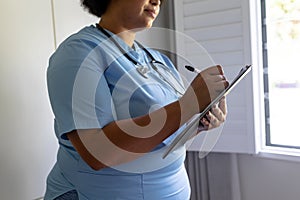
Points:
(142, 70)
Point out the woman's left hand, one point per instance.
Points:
(215, 117)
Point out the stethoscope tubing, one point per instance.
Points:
(152, 62)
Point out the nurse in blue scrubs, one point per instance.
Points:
(118, 105)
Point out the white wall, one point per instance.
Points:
(268, 179)
(27, 145)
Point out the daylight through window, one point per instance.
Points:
(281, 54)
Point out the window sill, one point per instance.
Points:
(280, 153)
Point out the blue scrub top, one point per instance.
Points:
(90, 84)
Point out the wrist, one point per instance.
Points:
(188, 108)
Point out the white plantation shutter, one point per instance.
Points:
(222, 27)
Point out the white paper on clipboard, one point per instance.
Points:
(191, 126)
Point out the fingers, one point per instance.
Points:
(219, 112)
(216, 116)
(216, 74)
(212, 120)
(214, 70)
(217, 78)
(214, 78)
(223, 105)
(205, 122)
(218, 86)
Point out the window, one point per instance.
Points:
(281, 47)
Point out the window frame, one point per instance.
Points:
(260, 88)
(266, 80)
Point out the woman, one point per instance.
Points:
(117, 107)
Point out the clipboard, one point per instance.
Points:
(192, 125)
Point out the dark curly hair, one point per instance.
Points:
(97, 7)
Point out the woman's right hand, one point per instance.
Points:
(206, 86)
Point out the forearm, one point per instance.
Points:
(125, 140)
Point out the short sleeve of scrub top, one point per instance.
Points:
(72, 85)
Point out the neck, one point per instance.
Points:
(124, 33)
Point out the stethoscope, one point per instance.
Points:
(141, 69)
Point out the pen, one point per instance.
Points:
(192, 69)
